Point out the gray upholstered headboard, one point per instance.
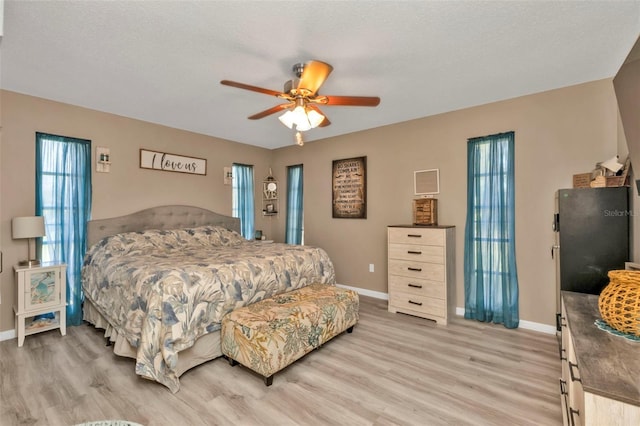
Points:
(162, 217)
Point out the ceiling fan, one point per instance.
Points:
(302, 98)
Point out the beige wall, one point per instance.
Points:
(127, 188)
(627, 88)
(557, 133)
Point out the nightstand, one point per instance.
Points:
(41, 290)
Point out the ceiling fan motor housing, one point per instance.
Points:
(298, 68)
(291, 85)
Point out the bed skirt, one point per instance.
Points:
(204, 349)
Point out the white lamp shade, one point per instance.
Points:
(315, 118)
(301, 120)
(27, 227)
(287, 119)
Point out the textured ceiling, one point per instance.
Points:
(162, 61)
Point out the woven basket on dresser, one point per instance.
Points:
(619, 302)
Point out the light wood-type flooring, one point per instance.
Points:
(394, 369)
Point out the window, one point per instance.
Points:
(295, 211)
(243, 194)
(490, 276)
(63, 197)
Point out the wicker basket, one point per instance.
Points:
(619, 302)
(425, 211)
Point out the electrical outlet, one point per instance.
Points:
(371, 268)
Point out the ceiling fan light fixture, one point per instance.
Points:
(300, 119)
(315, 118)
(287, 119)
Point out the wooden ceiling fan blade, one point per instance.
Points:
(369, 101)
(313, 75)
(324, 122)
(250, 87)
(270, 111)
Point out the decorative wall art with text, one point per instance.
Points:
(172, 162)
(349, 187)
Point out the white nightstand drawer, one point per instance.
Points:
(422, 236)
(431, 254)
(41, 288)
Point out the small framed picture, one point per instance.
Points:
(270, 208)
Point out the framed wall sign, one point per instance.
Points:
(349, 188)
(172, 162)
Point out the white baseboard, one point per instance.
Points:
(528, 325)
(7, 335)
(365, 292)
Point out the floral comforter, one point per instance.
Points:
(164, 289)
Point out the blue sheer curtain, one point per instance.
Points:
(243, 194)
(490, 276)
(295, 210)
(63, 197)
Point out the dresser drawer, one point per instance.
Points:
(423, 236)
(420, 304)
(420, 270)
(417, 287)
(431, 254)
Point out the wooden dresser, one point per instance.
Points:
(421, 270)
(600, 382)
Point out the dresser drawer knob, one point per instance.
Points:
(413, 252)
(415, 285)
(415, 269)
(414, 235)
(415, 303)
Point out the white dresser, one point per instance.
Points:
(421, 270)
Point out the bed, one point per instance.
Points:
(160, 280)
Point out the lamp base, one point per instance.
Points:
(29, 263)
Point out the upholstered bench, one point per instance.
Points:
(271, 334)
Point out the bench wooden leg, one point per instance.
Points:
(268, 380)
(350, 329)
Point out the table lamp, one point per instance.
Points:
(28, 227)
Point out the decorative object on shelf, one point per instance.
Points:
(28, 227)
(582, 180)
(425, 211)
(349, 188)
(270, 190)
(167, 162)
(228, 176)
(619, 301)
(103, 159)
(270, 195)
(426, 182)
